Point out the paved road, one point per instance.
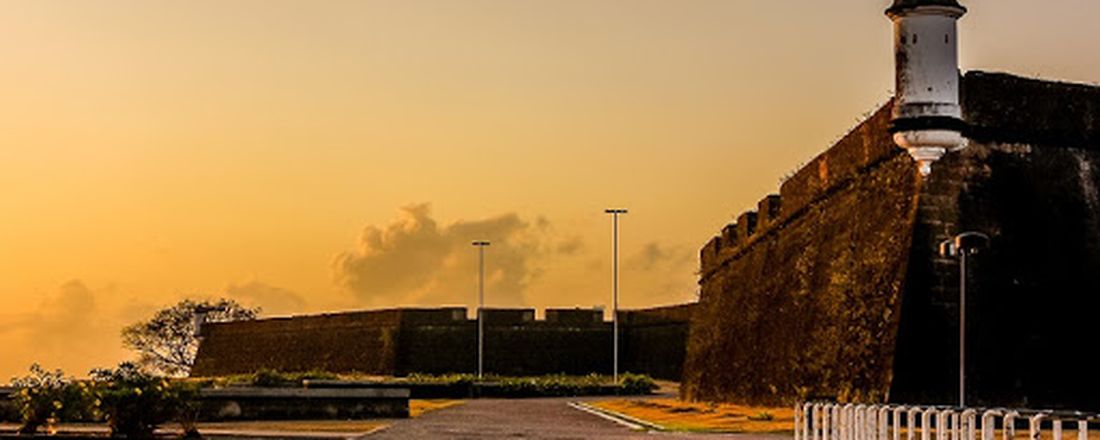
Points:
(526, 418)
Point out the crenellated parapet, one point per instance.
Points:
(866, 146)
(768, 210)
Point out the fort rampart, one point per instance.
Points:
(399, 342)
(834, 287)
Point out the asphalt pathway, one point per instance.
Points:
(527, 418)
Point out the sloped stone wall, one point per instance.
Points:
(843, 294)
(807, 303)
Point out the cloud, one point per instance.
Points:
(653, 255)
(271, 299)
(415, 260)
(71, 327)
(571, 246)
(657, 272)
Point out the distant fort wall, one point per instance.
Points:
(438, 341)
(834, 288)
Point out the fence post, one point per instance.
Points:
(1035, 426)
(815, 422)
(806, 421)
(798, 421)
(859, 426)
(989, 424)
(943, 424)
(897, 421)
(956, 426)
(873, 422)
(911, 434)
(926, 424)
(836, 422)
(849, 420)
(883, 422)
(968, 421)
(1009, 429)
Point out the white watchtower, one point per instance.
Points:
(927, 120)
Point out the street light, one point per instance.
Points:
(966, 243)
(480, 305)
(615, 290)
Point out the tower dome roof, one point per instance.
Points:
(905, 5)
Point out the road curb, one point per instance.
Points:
(617, 417)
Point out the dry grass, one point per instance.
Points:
(418, 407)
(705, 417)
(295, 425)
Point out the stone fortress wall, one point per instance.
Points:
(834, 288)
(399, 342)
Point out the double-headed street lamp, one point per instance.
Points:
(480, 244)
(962, 245)
(615, 290)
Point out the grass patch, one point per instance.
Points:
(678, 415)
(418, 407)
(350, 426)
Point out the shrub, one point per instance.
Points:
(275, 378)
(135, 402)
(445, 379)
(636, 384)
(555, 385)
(46, 396)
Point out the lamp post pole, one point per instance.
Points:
(615, 290)
(480, 305)
(963, 245)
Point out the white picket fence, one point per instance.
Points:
(832, 421)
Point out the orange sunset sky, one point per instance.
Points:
(307, 156)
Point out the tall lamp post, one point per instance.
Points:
(962, 245)
(615, 290)
(480, 244)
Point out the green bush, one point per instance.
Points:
(636, 384)
(275, 378)
(135, 402)
(557, 385)
(46, 396)
(444, 379)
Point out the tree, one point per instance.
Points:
(167, 343)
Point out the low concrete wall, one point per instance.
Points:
(8, 412)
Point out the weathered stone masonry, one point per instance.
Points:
(437, 341)
(840, 293)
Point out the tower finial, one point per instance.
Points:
(902, 5)
(927, 120)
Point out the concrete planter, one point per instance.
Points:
(254, 403)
